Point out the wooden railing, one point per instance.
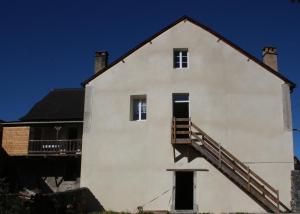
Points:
(181, 131)
(68, 147)
(224, 160)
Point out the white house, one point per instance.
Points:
(188, 122)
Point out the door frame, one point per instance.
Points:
(184, 101)
(195, 206)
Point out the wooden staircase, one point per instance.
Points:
(184, 131)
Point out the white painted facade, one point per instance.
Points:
(235, 100)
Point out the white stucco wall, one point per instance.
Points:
(236, 101)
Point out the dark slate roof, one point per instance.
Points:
(58, 105)
(219, 36)
(296, 163)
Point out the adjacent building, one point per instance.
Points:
(44, 146)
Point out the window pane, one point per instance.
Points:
(176, 53)
(143, 109)
(184, 59)
(177, 65)
(143, 116)
(184, 53)
(144, 106)
(176, 58)
(184, 65)
(135, 115)
(180, 97)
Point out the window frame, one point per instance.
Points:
(180, 51)
(141, 100)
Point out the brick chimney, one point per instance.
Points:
(101, 58)
(270, 57)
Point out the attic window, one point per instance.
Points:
(180, 58)
(138, 107)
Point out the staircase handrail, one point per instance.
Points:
(224, 156)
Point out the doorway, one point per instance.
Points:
(181, 110)
(184, 190)
(181, 105)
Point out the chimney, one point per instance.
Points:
(101, 58)
(270, 57)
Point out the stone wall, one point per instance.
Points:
(15, 140)
(295, 203)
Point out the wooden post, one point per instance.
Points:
(190, 130)
(173, 137)
(172, 131)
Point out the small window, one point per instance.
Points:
(180, 57)
(138, 107)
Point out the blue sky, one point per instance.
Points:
(51, 44)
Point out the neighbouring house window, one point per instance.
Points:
(180, 57)
(138, 107)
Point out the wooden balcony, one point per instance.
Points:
(181, 131)
(54, 147)
(42, 139)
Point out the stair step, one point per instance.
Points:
(231, 167)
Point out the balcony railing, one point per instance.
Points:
(55, 147)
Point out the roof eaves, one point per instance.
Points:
(33, 122)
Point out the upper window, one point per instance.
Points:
(138, 107)
(180, 57)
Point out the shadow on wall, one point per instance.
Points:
(79, 201)
(185, 152)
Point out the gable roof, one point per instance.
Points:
(186, 18)
(58, 104)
